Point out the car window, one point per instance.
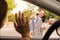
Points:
(42, 22)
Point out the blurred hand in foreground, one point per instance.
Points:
(21, 25)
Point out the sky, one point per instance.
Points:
(21, 5)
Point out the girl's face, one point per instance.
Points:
(41, 13)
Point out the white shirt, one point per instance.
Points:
(37, 27)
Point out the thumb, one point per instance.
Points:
(15, 24)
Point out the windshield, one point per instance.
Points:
(40, 20)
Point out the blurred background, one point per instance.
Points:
(14, 6)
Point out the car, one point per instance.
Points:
(51, 5)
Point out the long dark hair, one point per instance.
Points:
(3, 10)
(43, 18)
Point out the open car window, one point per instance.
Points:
(52, 12)
(52, 5)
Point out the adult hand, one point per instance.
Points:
(21, 25)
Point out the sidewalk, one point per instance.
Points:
(8, 30)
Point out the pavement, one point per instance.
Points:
(8, 30)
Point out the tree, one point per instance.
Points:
(27, 12)
(11, 17)
(11, 4)
(31, 7)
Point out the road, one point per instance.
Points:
(9, 31)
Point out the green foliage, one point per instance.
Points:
(11, 17)
(27, 12)
(11, 4)
(49, 14)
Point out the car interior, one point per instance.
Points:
(51, 5)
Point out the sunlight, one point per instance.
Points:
(21, 6)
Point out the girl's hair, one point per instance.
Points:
(3, 10)
(37, 14)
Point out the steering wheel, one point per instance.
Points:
(58, 31)
(51, 29)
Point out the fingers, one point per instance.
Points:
(22, 17)
(16, 17)
(15, 24)
(19, 14)
(21, 23)
(19, 18)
